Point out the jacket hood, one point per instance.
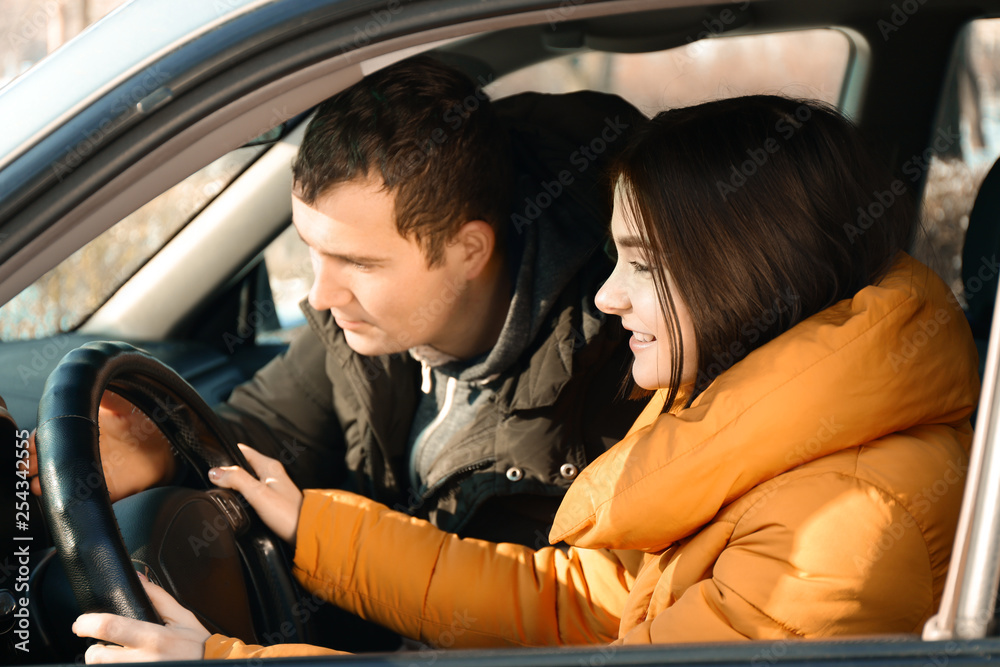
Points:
(548, 244)
(896, 355)
(549, 256)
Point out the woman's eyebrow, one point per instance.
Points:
(630, 242)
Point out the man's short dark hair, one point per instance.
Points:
(432, 136)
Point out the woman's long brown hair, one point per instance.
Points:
(763, 211)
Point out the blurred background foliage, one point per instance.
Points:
(803, 64)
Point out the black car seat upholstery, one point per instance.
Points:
(979, 260)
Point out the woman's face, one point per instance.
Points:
(630, 294)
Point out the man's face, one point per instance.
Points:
(376, 283)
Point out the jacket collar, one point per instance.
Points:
(896, 355)
(575, 323)
(385, 388)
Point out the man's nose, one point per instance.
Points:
(329, 290)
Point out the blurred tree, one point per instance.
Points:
(962, 101)
(30, 29)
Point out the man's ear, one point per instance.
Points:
(476, 243)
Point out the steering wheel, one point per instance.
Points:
(90, 546)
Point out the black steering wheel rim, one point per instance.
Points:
(81, 519)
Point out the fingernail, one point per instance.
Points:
(142, 576)
(214, 473)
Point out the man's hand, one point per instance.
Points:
(182, 638)
(275, 497)
(135, 454)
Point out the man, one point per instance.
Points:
(455, 364)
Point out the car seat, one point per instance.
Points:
(979, 260)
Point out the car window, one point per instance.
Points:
(290, 273)
(963, 147)
(63, 298)
(807, 63)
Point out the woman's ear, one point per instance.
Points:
(476, 242)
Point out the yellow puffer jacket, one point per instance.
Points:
(812, 490)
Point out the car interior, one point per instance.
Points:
(214, 298)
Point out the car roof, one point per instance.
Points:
(172, 43)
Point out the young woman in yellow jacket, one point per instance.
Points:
(797, 473)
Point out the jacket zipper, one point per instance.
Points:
(433, 491)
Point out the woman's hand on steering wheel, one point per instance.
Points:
(182, 637)
(274, 496)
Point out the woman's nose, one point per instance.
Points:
(612, 297)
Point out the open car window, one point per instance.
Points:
(964, 145)
(65, 296)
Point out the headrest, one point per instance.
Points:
(980, 254)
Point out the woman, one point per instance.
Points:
(798, 472)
